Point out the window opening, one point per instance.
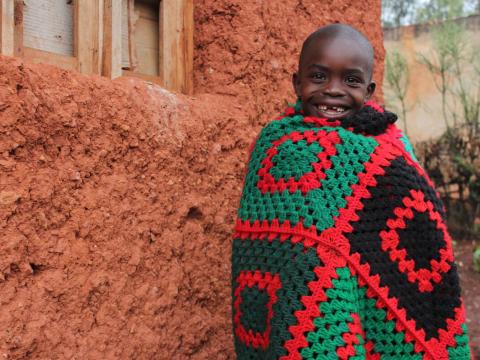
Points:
(48, 26)
(140, 36)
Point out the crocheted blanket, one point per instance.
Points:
(341, 248)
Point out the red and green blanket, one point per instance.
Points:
(341, 248)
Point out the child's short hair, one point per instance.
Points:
(339, 30)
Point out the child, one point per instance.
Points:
(341, 249)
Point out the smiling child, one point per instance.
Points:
(334, 77)
(341, 248)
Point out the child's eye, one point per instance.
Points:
(319, 76)
(352, 80)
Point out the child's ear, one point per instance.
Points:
(296, 84)
(370, 90)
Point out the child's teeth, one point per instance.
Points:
(331, 108)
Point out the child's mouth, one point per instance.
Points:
(332, 110)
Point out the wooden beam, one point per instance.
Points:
(149, 78)
(132, 53)
(7, 27)
(87, 30)
(176, 45)
(112, 39)
(18, 28)
(45, 57)
(98, 56)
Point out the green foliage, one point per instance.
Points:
(397, 76)
(454, 159)
(448, 48)
(399, 13)
(441, 10)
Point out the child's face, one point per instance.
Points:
(334, 78)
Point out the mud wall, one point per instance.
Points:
(249, 49)
(117, 199)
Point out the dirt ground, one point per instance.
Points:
(470, 280)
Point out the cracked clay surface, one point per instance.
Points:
(118, 198)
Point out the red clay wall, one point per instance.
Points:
(249, 48)
(117, 199)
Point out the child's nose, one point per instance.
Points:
(334, 88)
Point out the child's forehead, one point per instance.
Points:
(337, 47)
(334, 43)
(341, 38)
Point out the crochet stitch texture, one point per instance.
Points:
(341, 249)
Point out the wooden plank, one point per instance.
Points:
(189, 26)
(112, 39)
(132, 54)
(125, 35)
(7, 27)
(149, 78)
(45, 57)
(98, 55)
(87, 32)
(18, 28)
(176, 45)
